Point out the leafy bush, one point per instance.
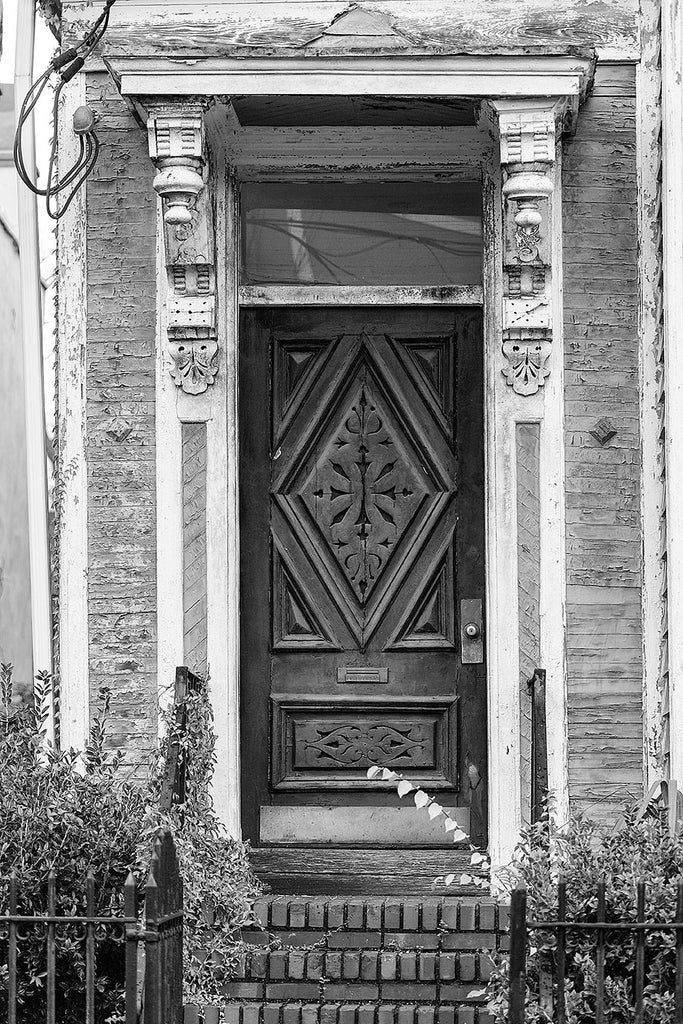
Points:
(583, 854)
(69, 813)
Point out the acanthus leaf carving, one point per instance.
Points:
(176, 144)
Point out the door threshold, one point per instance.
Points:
(357, 826)
(360, 871)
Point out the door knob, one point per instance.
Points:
(472, 631)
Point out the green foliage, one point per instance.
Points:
(582, 854)
(219, 885)
(71, 812)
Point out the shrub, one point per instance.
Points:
(72, 813)
(583, 854)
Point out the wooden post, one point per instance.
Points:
(517, 956)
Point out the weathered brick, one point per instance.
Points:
(292, 990)
(355, 940)
(487, 917)
(255, 938)
(369, 965)
(469, 940)
(333, 966)
(460, 993)
(425, 1014)
(373, 915)
(279, 912)
(467, 917)
(427, 966)
(301, 938)
(406, 1015)
(431, 915)
(243, 990)
(251, 1014)
(412, 940)
(261, 912)
(278, 964)
(231, 1014)
(485, 967)
(336, 914)
(351, 964)
(445, 1015)
(355, 915)
(411, 916)
(347, 1013)
(467, 967)
(449, 915)
(503, 917)
(465, 1015)
(392, 915)
(309, 1014)
(329, 1012)
(271, 1013)
(447, 965)
(386, 1014)
(315, 966)
(410, 991)
(296, 965)
(316, 913)
(297, 915)
(387, 966)
(342, 990)
(408, 966)
(366, 1014)
(291, 1013)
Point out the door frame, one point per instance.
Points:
(505, 413)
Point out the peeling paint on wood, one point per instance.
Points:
(204, 29)
(121, 317)
(604, 562)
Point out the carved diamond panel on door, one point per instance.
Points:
(364, 484)
(362, 528)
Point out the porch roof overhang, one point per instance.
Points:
(147, 80)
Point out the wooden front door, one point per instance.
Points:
(362, 526)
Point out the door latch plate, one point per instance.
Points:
(472, 631)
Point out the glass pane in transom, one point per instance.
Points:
(379, 233)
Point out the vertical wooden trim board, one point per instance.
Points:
(604, 540)
(71, 499)
(653, 430)
(672, 141)
(223, 539)
(194, 546)
(527, 455)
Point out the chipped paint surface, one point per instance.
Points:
(604, 561)
(435, 26)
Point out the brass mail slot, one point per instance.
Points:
(351, 674)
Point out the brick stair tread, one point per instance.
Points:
(336, 1012)
(358, 965)
(380, 914)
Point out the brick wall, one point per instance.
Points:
(603, 483)
(121, 243)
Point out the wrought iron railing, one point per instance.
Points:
(552, 989)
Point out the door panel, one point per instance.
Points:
(362, 528)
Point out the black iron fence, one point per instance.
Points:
(153, 957)
(553, 988)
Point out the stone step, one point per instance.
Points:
(342, 1012)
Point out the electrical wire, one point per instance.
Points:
(66, 64)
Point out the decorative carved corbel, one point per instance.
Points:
(526, 130)
(176, 144)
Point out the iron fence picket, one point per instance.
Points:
(161, 936)
(521, 926)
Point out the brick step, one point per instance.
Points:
(387, 975)
(383, 916)
(342, 1012)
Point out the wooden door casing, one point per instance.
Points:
(361, 529)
